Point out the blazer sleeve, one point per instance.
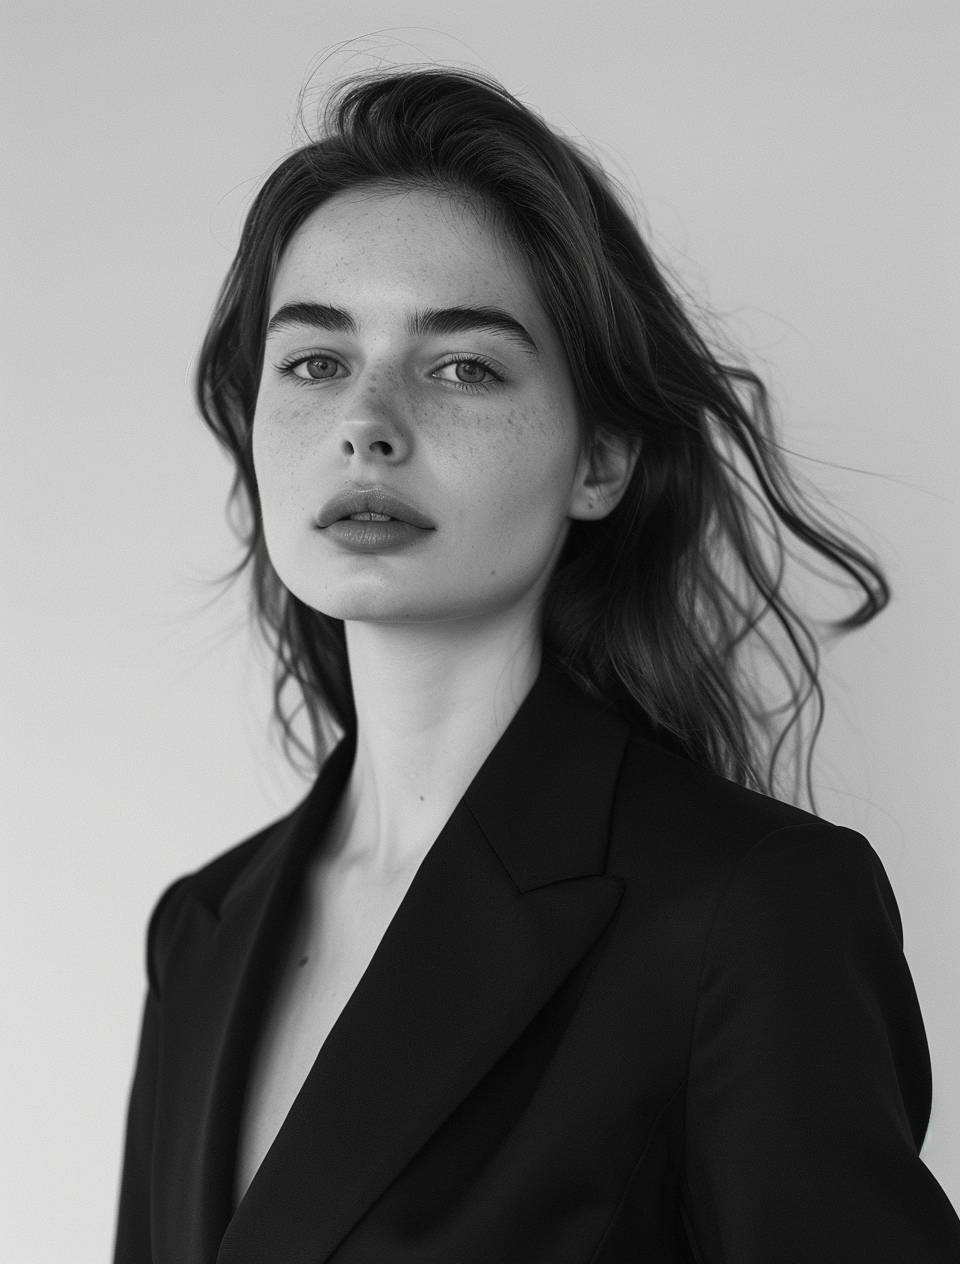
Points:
(132, 1242)
(809, 1085)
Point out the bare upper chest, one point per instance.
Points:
(333, 934)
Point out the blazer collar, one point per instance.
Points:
(509, 899)
(541, 797)
(544, 794)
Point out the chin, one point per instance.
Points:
(362, 607)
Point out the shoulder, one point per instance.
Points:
(208, 885)
(655, 782)
(697, 834)
(247, 869)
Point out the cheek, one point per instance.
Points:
(279, 451)
(523, 465)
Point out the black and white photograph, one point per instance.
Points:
(481, 754)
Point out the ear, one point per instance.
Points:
(602, 475)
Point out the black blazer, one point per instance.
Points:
(627, 1012)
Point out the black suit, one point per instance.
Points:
(627, 1011)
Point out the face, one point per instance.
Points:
(384, 376)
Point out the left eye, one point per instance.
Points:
(467, 373)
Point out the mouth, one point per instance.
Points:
(372, 504)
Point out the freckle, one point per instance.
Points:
(303, 961)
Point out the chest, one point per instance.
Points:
(334, 930)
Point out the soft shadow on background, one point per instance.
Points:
(795, 165)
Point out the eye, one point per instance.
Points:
(467, 372)
(312, 368)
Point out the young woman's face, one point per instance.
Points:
(415, 358)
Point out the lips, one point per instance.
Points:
(371, 500)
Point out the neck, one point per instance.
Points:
(432, 701)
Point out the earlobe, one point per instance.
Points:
(605, 471)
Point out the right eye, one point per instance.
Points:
(311, 368)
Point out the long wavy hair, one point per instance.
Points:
(667, 608)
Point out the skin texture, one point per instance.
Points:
(443, 635)
(495, 464)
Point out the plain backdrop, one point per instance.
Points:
(794, 163)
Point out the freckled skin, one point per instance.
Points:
(499, 470)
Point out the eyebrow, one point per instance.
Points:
(431, 322)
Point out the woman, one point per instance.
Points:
(539, 971)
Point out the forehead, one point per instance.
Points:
(429, 244)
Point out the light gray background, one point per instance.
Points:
(792, 161)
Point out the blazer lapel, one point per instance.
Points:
(215, 1001)
(508, 900)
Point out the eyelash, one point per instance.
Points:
(286, 367)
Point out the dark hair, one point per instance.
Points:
(654, 608)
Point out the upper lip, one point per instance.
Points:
(370, 500)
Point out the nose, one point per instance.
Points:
(372, 427)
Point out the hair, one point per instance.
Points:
(657, 609)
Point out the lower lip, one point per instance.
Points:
(370, 536)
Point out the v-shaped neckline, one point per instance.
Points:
(302, 1004)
